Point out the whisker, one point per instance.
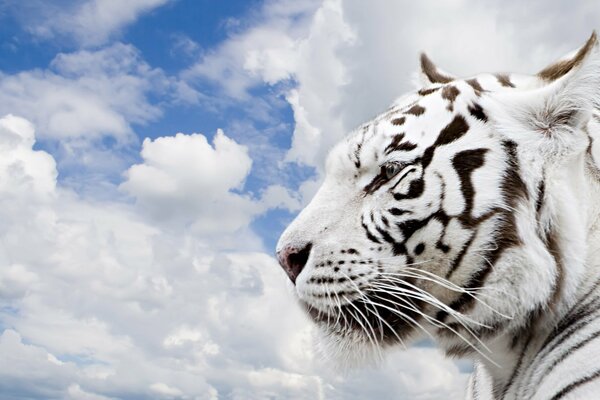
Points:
(404, 316)
(438, 323)
(459, 317)
(473, 292)
(403, 257)
(328, 293)
(360, 292)
(372, 340)
(427, 297)
(375, 304)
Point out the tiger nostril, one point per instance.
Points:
(293, 259)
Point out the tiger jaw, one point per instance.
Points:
(382, 299)
(366, 312)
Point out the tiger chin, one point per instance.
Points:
(468, 212)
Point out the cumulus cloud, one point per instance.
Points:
(88, 94)
(349, 64)
(27, 174)
(106, 292)
(87, 107)
(30, 371)
(186, 181)
(110, 305)
(87, 22)
(377, 65)
(263, 52)
(169, 296)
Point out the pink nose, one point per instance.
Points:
(293, 259)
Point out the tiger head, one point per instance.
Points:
(453, 214)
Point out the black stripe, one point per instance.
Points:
(359, 147)
(570, 351)
(408, 171)
(504, 241)
(465, 162)
(513, 189)
(504, 80)
(396, 140)
(540, 199)
(370, 236)
(476, 111)
(415, 189)
(385, 235)
(459, 257)
(476, 86)
(518, 366)
(415, 110)
(513, 185)
(409, 227)
(406, 146)
(574, 385)
(398, 121)
(425, 92)
(553, 246)
(451, 132)
(398, 211)
(375, 184)
(566, 327)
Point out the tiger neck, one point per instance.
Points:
(509, 354)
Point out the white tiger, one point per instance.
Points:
(468, 211)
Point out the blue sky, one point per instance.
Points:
(171, 38)
(151, 152)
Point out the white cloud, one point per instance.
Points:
(372, 54)
(74, 392)
(277, 196)
(89, 94)
(165, 390)
(25, 173)
(350, 63)
(87, 97)
(15, 280)
(184, 180)
(89, 22)
(101, 299)
(29, 371)
(113, 306)
(265, 52)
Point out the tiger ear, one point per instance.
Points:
(561, 67)
(431, 74)
(550, 115)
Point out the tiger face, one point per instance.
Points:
(434, 218)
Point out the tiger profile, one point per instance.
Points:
(468, 212)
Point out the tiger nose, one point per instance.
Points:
(293, 259)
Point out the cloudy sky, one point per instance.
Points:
(152, 151)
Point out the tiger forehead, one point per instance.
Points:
(415, 121)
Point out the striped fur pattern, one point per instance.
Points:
(468, 212)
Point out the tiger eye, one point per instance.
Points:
(389, 170)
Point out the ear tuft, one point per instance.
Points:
(554, 113)
(563, 66)
(573, 97)
(431, 74)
